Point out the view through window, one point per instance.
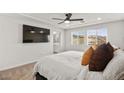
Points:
(94, 36)
(78, 38)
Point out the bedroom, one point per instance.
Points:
(68, 40)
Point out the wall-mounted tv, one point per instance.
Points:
(32, 34)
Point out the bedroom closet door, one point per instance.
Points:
(56, 42)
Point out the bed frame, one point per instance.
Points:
(40, 77)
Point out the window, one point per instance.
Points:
(91, 37)
(77, 38)
(94, 36)
(97, 36)
(101, 36)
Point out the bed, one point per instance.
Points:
(62, 66)
(67, 66)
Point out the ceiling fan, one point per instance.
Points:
(68, 19)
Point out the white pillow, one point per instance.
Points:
(115, 67)
(114, 46)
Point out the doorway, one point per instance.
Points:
(56, 42)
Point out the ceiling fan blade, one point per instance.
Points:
(76, 19)
(57, 19)
(61, 22)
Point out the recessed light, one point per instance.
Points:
(99, 18)
(54, 32)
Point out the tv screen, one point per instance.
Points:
(32, 34)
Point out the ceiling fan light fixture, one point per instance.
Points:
(68, 19)
(67, 22)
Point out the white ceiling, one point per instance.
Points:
(89, 18)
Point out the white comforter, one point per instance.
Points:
(65, 66)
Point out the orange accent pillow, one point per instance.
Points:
(86, 56)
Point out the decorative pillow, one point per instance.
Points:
(101, 57)
(110, 48)
(86, 56)
(115, 47)
(115, 68)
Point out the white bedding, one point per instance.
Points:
(65, 66)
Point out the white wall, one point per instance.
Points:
(115, 34)
(12, 51)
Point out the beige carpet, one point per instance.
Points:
(19, 73)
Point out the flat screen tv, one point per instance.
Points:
(32, 34)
